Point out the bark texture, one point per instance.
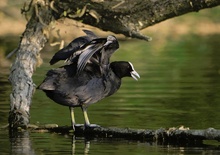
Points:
(27, 58)
(126, 16)
(119, 16)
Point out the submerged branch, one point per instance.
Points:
(162, 135)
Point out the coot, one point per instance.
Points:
(64, 86)
(89, 77)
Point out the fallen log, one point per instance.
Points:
(163, 136)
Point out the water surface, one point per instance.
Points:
(179, 85)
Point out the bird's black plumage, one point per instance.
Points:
(64, 86)
(73, 47)
(88, 49)
(81, 83)
(98, 51)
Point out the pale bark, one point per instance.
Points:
(27, 58)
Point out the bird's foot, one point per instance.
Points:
(79, 125)
(92, 126)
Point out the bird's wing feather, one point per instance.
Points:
(86, 55)
(90, 34)
(70, 51)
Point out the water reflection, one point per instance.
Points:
(28, 143)
(21, 143)
(74, 146)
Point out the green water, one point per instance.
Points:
(179, 85)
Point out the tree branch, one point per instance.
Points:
(128, 17)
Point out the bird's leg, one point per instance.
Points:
(87, 123)
(84, 109)
(72, 117)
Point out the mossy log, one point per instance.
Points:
(174, 135)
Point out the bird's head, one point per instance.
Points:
(124, 69)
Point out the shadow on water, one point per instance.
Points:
(179, 85)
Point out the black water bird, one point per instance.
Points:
(89, 77)
(64, 86)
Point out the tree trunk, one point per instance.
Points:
(126, 17)
(27, 58)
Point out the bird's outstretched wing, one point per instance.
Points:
(88, 49)
(103, 48)
(71, 51)
(94, 47)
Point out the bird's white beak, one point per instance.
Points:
(135, 75)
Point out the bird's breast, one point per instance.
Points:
(111, 84)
